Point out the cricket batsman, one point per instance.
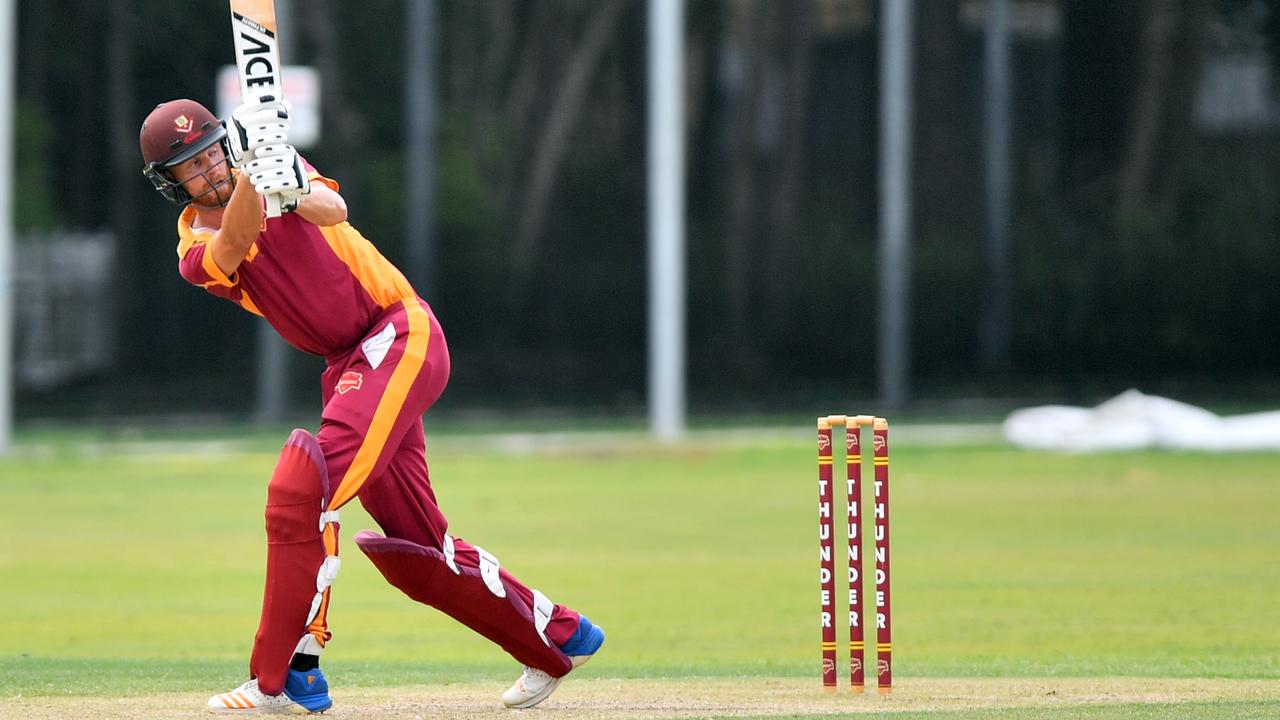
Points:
(327, 291)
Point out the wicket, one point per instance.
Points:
(852, 425)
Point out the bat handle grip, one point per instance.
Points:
(272, 205)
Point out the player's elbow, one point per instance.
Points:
(339, 209)
(332, 207)
(323, 207)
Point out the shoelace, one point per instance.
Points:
(535, 673)
(250, 686)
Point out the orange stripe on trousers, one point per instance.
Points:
(389, 407)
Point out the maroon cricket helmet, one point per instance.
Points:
(175, 132)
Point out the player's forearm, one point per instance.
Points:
(322, 206)
(241, 222)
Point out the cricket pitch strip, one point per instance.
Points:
(592, 699)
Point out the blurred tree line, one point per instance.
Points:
(1143, 238)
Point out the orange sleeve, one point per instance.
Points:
(314, 176)
(195, 262)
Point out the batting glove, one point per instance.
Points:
(255, 125)
(279, 169)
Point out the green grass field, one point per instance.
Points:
(130, 570)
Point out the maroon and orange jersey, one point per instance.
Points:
(321, 288)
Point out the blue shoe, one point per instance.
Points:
(534, 685)
(309, 689)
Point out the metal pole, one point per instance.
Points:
(8, 59)
(420, 129)
(896, 45)
(995, 336)
(666, 220)
(272, 396)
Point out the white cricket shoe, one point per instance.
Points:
(535, 685)
(248, 699)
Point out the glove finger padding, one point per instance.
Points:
(276, 150)
(283, 173)
(267, 134)
(268, 157)
(255, 125)
(245, 143)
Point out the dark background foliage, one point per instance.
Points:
(1143, 244)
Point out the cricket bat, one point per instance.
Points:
(253, 25)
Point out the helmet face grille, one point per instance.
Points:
(171, 190)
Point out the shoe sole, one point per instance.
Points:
(302, 709)
(294, 709)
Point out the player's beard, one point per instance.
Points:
(218, 194)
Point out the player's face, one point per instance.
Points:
(206, 177)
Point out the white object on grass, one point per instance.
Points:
(1133, 420)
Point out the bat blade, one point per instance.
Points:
(257, 46)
